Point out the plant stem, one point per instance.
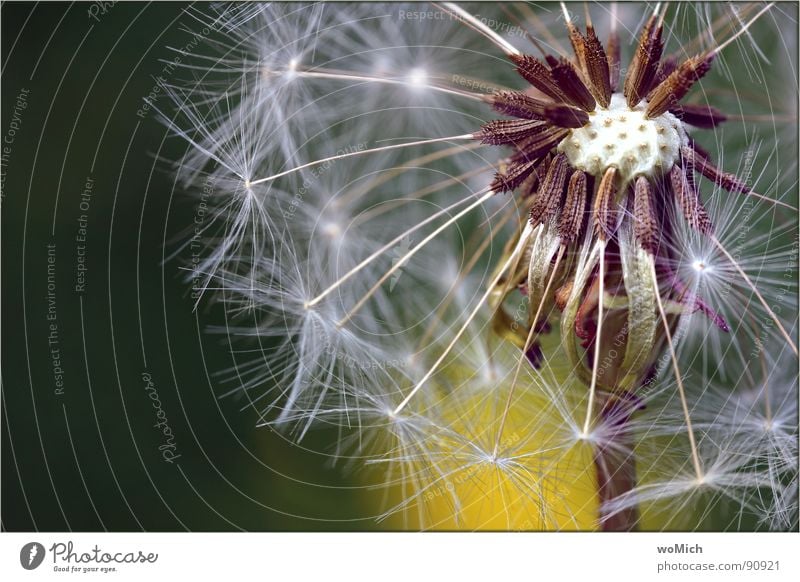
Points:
(614, 460)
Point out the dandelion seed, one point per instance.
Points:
(558, 315)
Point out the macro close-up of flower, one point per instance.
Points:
(399, 267)
(526, 302)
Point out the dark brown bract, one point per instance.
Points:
(606, 201)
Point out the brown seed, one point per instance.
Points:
(509, 131)
(572, 87)
(699, 150)
(597, 69)
(613, 53)
(520, 105)
(548, 198)
(517, 104)
(667, 67)
(578, 43)
(644, 65)
(686, 195)
(565, 116)
(584, 323)
(539, 144)
(645, 222)
(529, 184)
(672, 89)
(527, 159)
(605, 216)
(537, 74)
(513, 176)
(703, 116)
(729, 182)
(571, 220)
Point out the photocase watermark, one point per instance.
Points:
(567, 15)
(348, 361)
(98, 9)
(31, 555)
(53, 339)
(473, 84)
(749, 160)
(314, 174)
(82, 235)
(66, 559)
(520, 313)
(496, 25)
(161, 79)
(168, 448)
(196, 245)
(399, 257)
(786, 294)
(20, 105)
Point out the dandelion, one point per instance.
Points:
(538, 360)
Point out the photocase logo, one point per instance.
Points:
(31, 555)
(399, 257)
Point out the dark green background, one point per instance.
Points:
(89, 459)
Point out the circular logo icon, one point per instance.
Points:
(31, 555)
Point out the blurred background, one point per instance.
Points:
(112, 417)
(80, 441)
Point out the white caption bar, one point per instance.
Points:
(397, 556)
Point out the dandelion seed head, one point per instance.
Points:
(625, 138)
(391, 345)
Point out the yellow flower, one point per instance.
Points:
(485, 467)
